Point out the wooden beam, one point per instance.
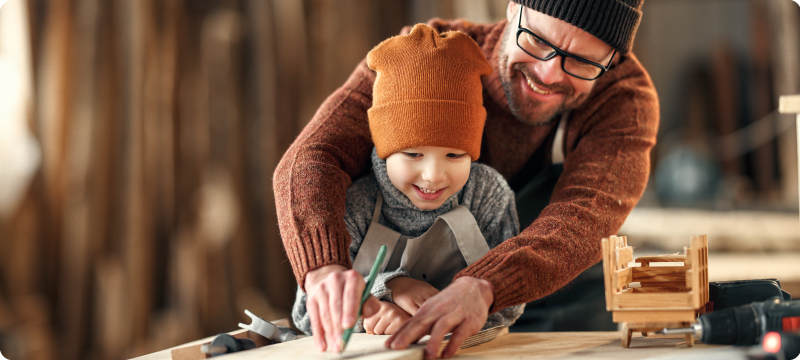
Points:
(624, 255)
(653, 316)
(660, 274)
(666, 301)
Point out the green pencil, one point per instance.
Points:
(371, 279)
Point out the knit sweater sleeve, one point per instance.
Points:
(605, 173)
(311, 180)
(361, 199)
(360, 202)
(491, 202)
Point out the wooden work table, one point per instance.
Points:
(554, 345)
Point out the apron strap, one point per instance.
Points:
(558, 142)
(378, 204)
(376, 236)
(467, 233)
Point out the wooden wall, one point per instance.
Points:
(151, 220)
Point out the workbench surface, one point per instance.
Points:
(554, 345)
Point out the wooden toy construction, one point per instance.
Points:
(651, 293)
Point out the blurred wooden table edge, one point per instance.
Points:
(563, 345)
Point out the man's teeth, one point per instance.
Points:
(427, 191)
(536, 89)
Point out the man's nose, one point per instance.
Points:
(550, 71)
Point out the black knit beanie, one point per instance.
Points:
(613, 21)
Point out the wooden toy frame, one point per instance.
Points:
(649, 298)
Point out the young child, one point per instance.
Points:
(426, 199)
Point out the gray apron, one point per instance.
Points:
(450, 245)
(580, 305)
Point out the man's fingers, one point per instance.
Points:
(353, 288)
(440, 329)
(460, 334)
(335, 309)
(325, 316)
(316, 326)
(412, 331)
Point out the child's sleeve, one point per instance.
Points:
(493, 205)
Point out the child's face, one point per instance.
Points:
(428, 175)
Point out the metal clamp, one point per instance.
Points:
(268, 329)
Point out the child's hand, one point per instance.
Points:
(410, 293)
(387, 320)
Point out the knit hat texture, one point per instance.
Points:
(613, 21)
(427, 92)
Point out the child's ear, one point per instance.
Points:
(511, 10)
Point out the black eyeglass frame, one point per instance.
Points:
(557, 51)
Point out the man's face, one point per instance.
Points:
(539, 90)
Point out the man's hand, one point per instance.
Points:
(388, 319)
(461, 308)
(334, 294)
(410, 293)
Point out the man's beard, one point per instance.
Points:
(528, 110)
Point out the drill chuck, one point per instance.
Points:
(740, 325)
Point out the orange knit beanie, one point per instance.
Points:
(427, 92)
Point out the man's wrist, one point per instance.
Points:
(313, 277)
(484, 288)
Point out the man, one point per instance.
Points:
(571, 119)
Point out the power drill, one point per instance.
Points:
(744, 325)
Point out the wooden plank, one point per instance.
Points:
(622, 278)
(660, 289)
(666, 301)
(662, 274)
(653, 316)
(661, 258)
(607, 282)
(663, 284)
(624, 255)
(361, 346)
(696, 272)
(789, 104)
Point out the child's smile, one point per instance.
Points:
(428, 175)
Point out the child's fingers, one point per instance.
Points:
(369, 323)
(371, 307)
(395, 324)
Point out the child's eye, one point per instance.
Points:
(413, 155)
(455, 156)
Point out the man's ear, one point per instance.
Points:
(511, 10)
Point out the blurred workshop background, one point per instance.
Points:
(138, 140)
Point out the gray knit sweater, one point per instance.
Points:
(486, 194)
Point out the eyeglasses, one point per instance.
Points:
(539, 48)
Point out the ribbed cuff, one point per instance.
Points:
(379, 288)
(505, 280)
(316, 249)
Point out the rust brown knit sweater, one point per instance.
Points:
(606, 168)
